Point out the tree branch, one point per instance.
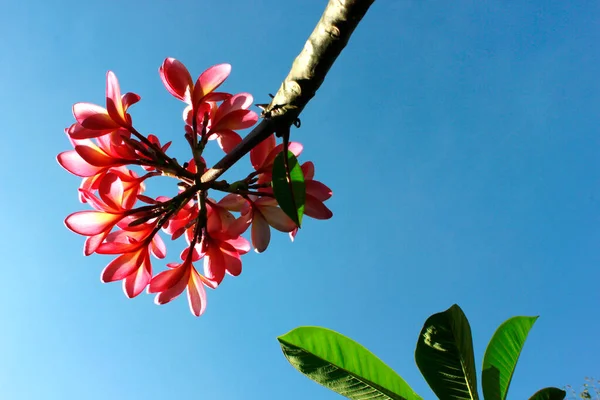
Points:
(308, 72)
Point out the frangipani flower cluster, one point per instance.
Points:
(127, 224)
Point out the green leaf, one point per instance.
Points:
(290, 194)
(342, 365)
(502, 354)
(549, 393)
(445, 357)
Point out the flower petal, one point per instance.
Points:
(90, 223)
(114, 103)
(157, 247)
(240, 225)
(227, 140)
(233, 263)
(238, 119)
(72, 162)
(209, 80)
(92, 116)
(129, 99)
(171, 293)
(241, 245)
(196, 294)
(93, 155)
(316, 209)
(177, 282)
(318, 190)
(259, 153)
(240, 101)
(96, 203)
(111, 191)
(177, 79)
(232, 202)
(308, 170)
(214, 265)
(266, 201)
(92, 243)
(261, 232)
(122, 266)
(293, 234)
(135, 283)
(78, 132)
(118, 247)
(216, 96)
(167, 279)
(278, 219)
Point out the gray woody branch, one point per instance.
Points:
(308, 72)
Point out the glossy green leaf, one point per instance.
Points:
(501, 356)
(445, 357)
(289, 193)
(549, 393)
(342, 365)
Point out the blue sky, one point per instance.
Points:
(460, 140)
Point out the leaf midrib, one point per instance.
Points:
(386, 392)
(462, 364)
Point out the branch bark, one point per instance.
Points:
(308, 72)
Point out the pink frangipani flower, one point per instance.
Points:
(133, 265)
(92, 117)
(232, 115)
(178, 82)
(108, 209)
(316, 194)
(221, 254)
(264, 213)
(180, 276)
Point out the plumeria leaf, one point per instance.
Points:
(549, 393)
(289, 193)
(342, 365)
(502, 354)
(445, 357)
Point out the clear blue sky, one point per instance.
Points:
(460, 140)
